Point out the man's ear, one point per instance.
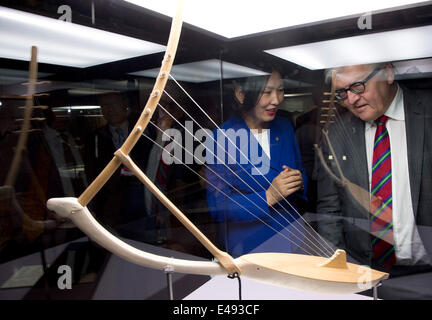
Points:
(238, 92)
(389, 73)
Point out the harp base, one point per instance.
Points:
(310, 273)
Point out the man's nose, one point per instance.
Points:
(352, 97)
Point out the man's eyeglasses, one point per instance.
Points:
(356, 87)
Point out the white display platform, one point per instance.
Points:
(223, 288)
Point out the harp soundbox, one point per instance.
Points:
(303, 272)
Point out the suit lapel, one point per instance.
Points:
(360, 159)
(414, 124)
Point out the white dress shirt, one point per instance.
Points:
(408, 245)
(263, 139)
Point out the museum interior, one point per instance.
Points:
(122, 114)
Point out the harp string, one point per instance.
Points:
(339, 126)
(164, 109)
(342, 132)
(233, 172)
(360, 194)
(226, 195)
(265, 213)
(241, 152)
(290, 214)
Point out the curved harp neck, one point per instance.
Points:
(25, 127)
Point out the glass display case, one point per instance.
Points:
(261, 138)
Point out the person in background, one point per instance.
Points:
(66, 154)
(121, 200)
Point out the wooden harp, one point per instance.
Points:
(303, 272)
(359, 194)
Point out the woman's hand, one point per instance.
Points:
(286, 183)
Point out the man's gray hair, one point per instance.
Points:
(328, 72)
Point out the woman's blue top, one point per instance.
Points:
(236, 186)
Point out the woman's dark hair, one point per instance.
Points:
(252, 88)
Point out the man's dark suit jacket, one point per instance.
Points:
(343, 220)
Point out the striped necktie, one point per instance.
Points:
(381, 198)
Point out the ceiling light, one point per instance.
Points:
(404, 44)
(413, 69)
(296, 95)
(12, 76)
(236, 18)
(65, 43)
(87, 92)
(69, 108)
(204, 71)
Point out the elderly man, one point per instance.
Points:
(383, 147)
